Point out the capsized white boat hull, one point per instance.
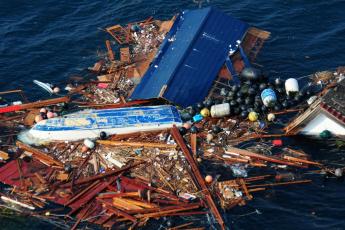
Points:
(90, 123)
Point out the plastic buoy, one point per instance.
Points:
(253, 116)
(205, 112)
(103, 135)
(38, 118)
(56, 90)
(325, 134)
(88, 143)
(216, 129)
(271, 117)
(194, 129)
(209, 179)
(43, 110)
(268, 97)
(187, 125)
(291, 86)
(338, 172)
(50, 114)
(84, 149)
(182, 130)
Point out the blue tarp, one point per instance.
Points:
(191, 56)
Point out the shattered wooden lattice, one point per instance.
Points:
(120, 34)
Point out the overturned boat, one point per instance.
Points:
(90, 123)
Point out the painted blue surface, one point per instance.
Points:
(112, 118)
(191, 56)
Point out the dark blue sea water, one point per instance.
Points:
(52, 40)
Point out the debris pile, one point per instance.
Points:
(100, 157)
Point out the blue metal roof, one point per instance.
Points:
(191, 56)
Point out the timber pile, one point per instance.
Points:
(124, 181)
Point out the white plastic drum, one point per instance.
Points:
(291, 86)
(220, 110)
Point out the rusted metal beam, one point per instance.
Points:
(200, 180)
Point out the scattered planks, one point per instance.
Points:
(197, 175)
(260, 156)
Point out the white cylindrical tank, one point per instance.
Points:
(220, 110)
(291, 85)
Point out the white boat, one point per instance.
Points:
(90, 123)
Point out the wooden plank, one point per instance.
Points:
(125, 55)
(135, 144)
(41, 156)
(199, 178)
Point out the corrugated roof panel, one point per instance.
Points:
(191, 56)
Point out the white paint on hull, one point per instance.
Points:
(323, 122)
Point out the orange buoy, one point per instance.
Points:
(208, 179)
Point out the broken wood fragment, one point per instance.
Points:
(135, 144)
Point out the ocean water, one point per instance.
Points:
(53, 40)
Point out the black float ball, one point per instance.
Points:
(237, 111)
(285, 104)
(200, 105)
(262, 86)
(264, 108)
(235, 88)
(243, 108)
(233, 103)
(191, 111)
(103, 135)
(244, 114)
(239, 101)
(216, 129)
(182, 130)
(68, 167)
(208, 103)
(194, 129)
(277, 107)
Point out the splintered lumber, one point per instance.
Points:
(162, 213)
(259, 156)
(4, 155)
(193, 143)
(82, 193)
(110, 51)
(100, 176)
(135, 144)
(299, 160)
(118, 212)
(41, 156)
(279, 183)
(199, 178)
(37, 104)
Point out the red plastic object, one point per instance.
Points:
(277, 142)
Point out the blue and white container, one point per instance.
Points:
(268, 97)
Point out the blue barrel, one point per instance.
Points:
(268, 97)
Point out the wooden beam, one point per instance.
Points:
(199, 178)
